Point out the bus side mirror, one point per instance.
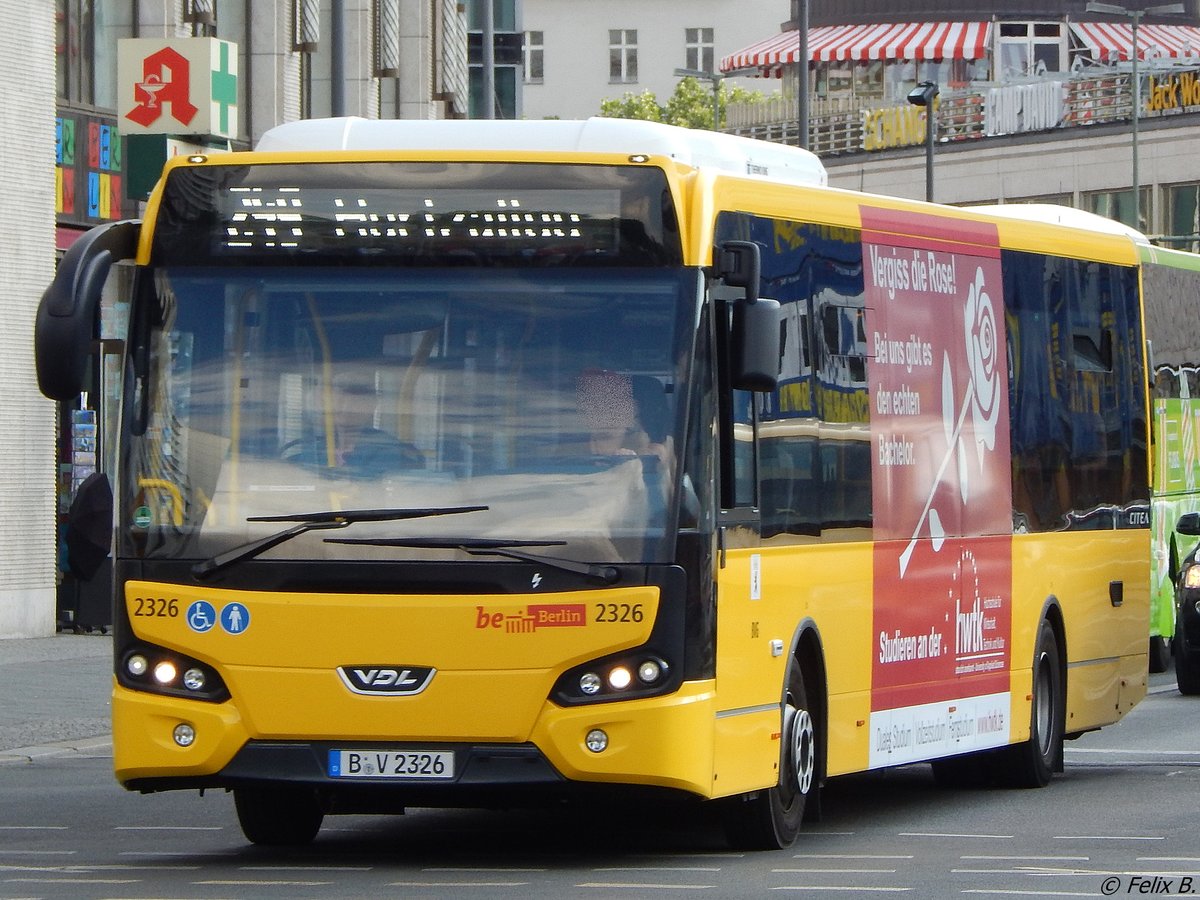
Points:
(69, 312)
(754, 330)
(1189, 523)
(754, 357)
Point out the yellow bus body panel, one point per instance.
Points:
(486, 651)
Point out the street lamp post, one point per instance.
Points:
(923, 95)
(802, 74)
(1135, 16)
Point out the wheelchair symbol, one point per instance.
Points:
(201, 616)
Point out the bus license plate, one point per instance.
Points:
(408, 764)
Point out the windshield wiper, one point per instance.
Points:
(316, 521)
(495, 547)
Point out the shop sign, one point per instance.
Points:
(893, 126)
(1173, 92)
(88, 169)
(179, 86)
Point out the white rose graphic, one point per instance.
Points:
(982, 402)
(982, 360)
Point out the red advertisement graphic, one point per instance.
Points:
(941, 483)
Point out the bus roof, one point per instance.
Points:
(691, 147)
(1169, 256)
(1053, 214)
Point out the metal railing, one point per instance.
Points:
(840, 125)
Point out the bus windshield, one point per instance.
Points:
(550, 397)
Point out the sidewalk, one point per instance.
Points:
(54, 696)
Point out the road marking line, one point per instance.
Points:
(657, 869)
(937, 834)
(73, 880)
(853, 856)
(305, 868)
(1109, 837)
(635, 886)
(834, 871)
(262, 882)
(458, 884)
(1030, 893)
(1031, 858)
(1114, 751)
(840, 887)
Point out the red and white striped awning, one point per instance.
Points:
(1113, 41)
(905, 40)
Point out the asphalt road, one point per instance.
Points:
(1120, 821)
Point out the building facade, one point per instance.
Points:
(292, 59)
(1105, 99)
(578, 54)
(27, 513)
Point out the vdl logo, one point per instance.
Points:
(387, 681)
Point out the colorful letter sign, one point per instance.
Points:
(178, 86)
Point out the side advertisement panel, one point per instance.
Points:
(941, 486)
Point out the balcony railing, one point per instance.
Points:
(850, 125)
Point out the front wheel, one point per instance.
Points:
(1032, 763)
(1160, 654)
(1187, 666)
(278, 817)
(770, 819)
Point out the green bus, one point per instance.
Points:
(1171, 289)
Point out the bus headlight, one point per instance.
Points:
(619, 678)
(628, 676)
(157, 670)
(650, 671)
(165, 672)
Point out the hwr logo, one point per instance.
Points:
(968, 635)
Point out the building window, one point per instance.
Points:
(507, 57)
(622, 55)
(1030, 49)
(698, 43)
(1118, 205)
(86, 35)
(534, 57)
(1183, 216)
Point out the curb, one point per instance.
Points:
(87, 748)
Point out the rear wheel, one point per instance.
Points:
(771, 819)
(278, 817)
(1160, 654)
(1031, 764)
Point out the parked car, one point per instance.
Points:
(1187, 612)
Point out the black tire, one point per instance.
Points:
(278, 817)
(1032, 763)
(770, 819)
(1187, 667)
(1160, 654)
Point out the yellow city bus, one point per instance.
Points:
(471, 463)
